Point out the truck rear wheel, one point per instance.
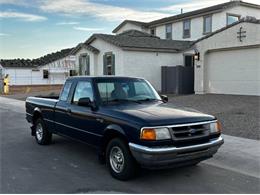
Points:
(120, 162)
(42, 135)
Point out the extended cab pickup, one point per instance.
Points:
(127, 121)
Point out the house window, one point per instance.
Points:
(109, 64)
(45, 74)
(73, 73)
(152, 31)
(186, 29)
(207, 24)
(84, 64)
(188, 61)
(168, 30)
(231, 18)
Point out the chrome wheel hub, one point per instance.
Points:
(39, 131)
(116, 158)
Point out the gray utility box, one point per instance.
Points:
(177, 80)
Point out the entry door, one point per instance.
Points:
(187, 75)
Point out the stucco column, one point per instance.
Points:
(199, 74)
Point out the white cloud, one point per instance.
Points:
(15, 2)
(88, 29)
(107, 12)
(22, 16)
(67, 23)
(4, 34)
(194, 5)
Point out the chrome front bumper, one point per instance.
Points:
(159, 157)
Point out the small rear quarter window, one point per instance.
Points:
(65, 92)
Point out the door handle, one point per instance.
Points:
(100, 120)
(68, 110)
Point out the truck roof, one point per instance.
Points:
(102, 77)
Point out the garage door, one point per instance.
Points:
(233, 72)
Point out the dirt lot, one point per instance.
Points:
(23, 96)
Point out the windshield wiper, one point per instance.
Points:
(124, 100)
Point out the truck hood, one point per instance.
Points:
(155, 114)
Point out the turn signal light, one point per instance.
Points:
(219, 127)
(148, 134)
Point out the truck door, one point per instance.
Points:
(83, 119)
(62, 110)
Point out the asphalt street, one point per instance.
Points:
(67, 166)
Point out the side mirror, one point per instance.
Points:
(86, 102)
(164, 98)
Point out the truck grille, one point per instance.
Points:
(190, 134)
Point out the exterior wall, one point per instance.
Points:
(218, 21)
(148, 65)
(29, 76)
(224, 40)
(133, 63)
(130, 26)
(105, 47)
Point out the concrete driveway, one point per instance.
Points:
(67, 166)
(239, 115)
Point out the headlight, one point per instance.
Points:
(215, 127)
(155, 134)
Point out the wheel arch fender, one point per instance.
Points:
(110, 132)
(36, 114)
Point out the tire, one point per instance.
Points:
(117, 152)
(42, 135)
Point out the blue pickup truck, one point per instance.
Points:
(127, 121)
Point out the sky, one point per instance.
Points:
(33, 28)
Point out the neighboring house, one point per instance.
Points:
(195, 24)
(51, 69)
(132, 53)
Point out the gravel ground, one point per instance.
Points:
(239, 115)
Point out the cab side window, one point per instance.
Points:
(83, 90)
(65, 92)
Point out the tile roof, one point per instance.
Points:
(23, 63)
(137, 40)
(138, 23)
(82, 45)
(28, 63)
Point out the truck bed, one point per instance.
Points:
(45, 104)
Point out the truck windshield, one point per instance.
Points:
(126, 90)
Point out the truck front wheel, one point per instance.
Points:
(119, 160)
(42, 135)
